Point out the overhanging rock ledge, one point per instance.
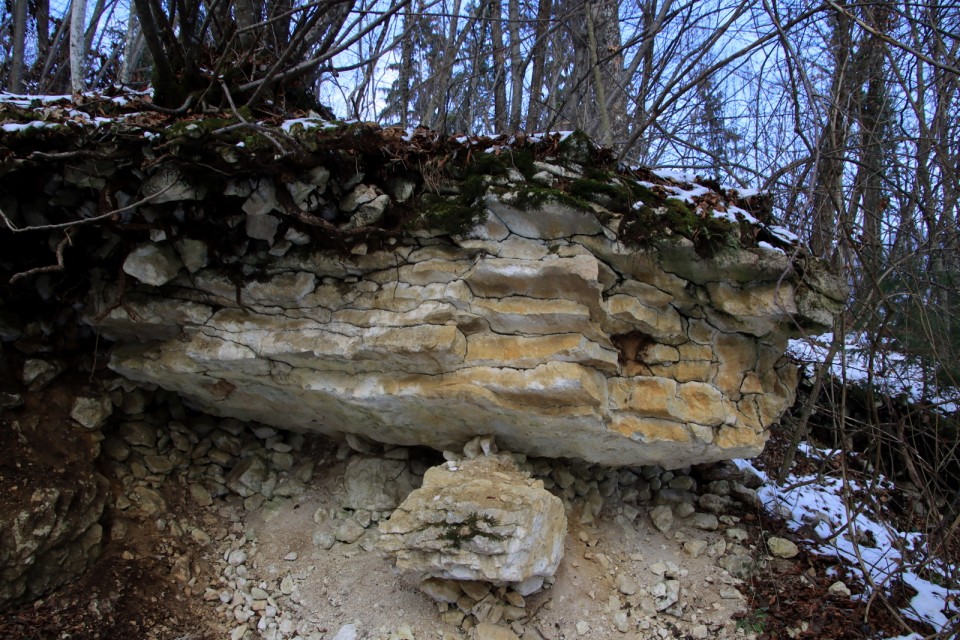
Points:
(557, 318)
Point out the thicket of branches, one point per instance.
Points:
(847, 112)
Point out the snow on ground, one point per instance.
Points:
(844, 527)
(892, 372)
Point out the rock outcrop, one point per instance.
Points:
(561, 343)
(530, 291)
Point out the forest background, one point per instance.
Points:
(845, 112)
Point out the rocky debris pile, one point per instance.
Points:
(477, 524)
(650, 596)
(198, 481)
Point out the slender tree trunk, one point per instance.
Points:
(19, 45)
(132, 48)
(599, 88)
(78, 21)
(434, 114)
(871, 117)
(499, 68)
(831, 150)
(405, 73)
(42, 18)
(516, 65)
(538, 57)
(246, 13)
(610, 58)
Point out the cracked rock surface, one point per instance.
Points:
(559, 345)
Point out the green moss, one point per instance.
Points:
(473, 526)
(675, 218)
(452, 216)
(485, 164)
(522, 160)
(577, 147)
(199, 128)
(615, 197)
(473, 188)
(531, 196)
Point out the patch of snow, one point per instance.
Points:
(687, 195)
(724, 215)
(743, 214)
(671, 174)
(856, 537)
(784, 234)
(851, 535)
(769, 247)
(23, 126)
(306, 123)
(888, 370)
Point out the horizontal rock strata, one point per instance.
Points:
(566, 346)
(532, 293)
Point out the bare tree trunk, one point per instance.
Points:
(538, 56)
(78, 20)
(499, 68)
(19, 45)
(246, 13)
(516, 65)
(42, 18)
(405, 73)
(869, 184)
(831, 149)
(132, 48)
(599, 88)
(610, 58)
(436, 104)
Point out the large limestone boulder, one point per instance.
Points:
(478, 519)
(559, 345)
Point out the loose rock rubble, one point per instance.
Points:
(646, 550)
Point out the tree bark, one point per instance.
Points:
(19, 45)
(831, 148)
(516, 65)
(405, 72)
(499, 68)
(78, 21)
(538, 57)
(132, 48)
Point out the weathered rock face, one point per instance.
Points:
(537, 326)
(478, 519)
(414, 289)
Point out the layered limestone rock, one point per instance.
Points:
(561, 345)
(478, 519)
(420, 290)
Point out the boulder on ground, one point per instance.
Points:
(479, 519)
